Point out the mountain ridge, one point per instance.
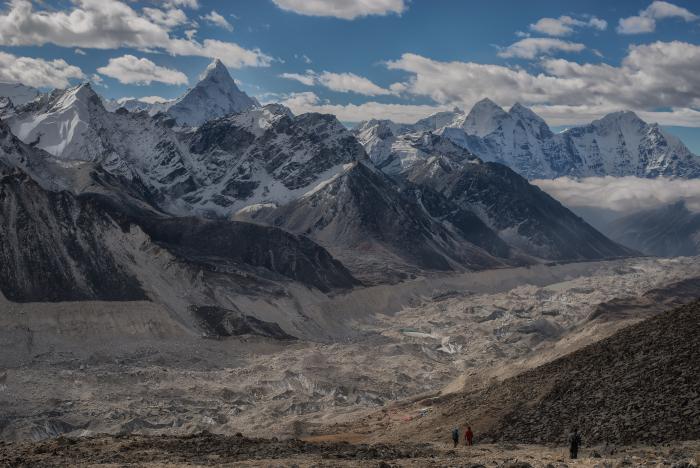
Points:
(617, 144)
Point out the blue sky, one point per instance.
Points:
(571, 61)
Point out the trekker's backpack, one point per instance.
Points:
(455, 433)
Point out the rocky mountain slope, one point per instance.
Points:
(56, 248)
(267, 156)
(619, 144)
(106, 245)
(668, 231)
(519, 213)
(363, 218)
(636, 386)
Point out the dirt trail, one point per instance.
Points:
(206, 449)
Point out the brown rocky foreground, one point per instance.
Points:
(205, 449)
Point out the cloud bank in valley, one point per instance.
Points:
(623, 195)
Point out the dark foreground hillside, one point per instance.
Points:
(641, 385)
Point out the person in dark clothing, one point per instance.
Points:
(468, 436)
(574, 443)
(455, 436)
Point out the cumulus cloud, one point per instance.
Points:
(216, 19)
(532, 47)
(652, 76)
(340, 82)
(111, 24)
(308, 79)
(622, 194)
(565, 25)
(194, 4)
(37, 72)
(169, 18)
(645, 21)
(344, 9)
(300, 103)
(128, 69)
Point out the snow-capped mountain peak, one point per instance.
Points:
(61, 123)
(484, 118)
(621, 120)
(215, 95)
(618, 144)
(216, 70)
(438, 120)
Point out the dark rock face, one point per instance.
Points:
(669, 231)
(272, 250)
(54, 247)
(536, 223)
(637, 386)
(220, 322)
(294, 151)
(365, 220)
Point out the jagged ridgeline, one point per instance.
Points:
(619, 144)
(256, 200)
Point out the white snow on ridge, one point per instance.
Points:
(619, 144)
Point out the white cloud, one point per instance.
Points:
(128, 69)
(636, 25)
(677, 117)
(653, 76)
(344, 9)
(37, 72)
(645, 22)
(169, 18)
(194, 4)
(349, 82)
(154, 99)
(97, 79)
(112, 24)
(309, 79)
(565, 25)
(300, 103)
(532, 47)
(216, 19)
(622, 194)
(303, 57)
(339, 82)
(79, 52)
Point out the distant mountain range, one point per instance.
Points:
(667, 231)
(125, 205)
(619, 144)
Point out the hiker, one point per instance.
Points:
(468, 436)
(574, 443)
(455, 436)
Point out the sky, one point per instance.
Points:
(571, 61)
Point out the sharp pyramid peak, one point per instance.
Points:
(216, 69)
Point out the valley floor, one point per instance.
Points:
(92, 374)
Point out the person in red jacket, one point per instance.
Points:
(468, 436)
